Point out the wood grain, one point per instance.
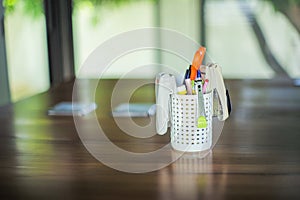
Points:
(256, 157)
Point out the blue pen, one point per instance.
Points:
(187, 75)
(187, 81)
(198, 75)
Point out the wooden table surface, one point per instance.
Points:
(256, 157)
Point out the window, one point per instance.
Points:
(94, 23)
(241, 36)
(26, 47)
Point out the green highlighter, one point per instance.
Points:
(201, 122)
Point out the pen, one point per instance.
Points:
(198, 75)
(193, 73)
(197, 61)
(205, 86)
(188, 86)
(187, 74)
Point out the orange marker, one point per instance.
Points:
(197, 61)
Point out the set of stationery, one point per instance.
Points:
(188, 109)
(194, 80)
(201, 79)
(195, 83)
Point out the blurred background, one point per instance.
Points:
(250, 39)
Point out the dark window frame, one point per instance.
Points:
(5, 97)
(60, 40)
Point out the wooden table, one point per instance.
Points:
(256, 157)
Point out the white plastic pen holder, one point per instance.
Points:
(185, 135)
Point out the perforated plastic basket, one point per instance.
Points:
(185, 136)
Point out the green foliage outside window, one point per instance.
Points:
(34, 8)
